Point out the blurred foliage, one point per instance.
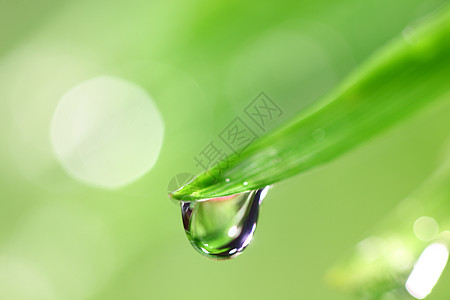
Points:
(380, 265)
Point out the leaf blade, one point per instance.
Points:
(407, 75)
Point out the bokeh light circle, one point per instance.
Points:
(107, 132)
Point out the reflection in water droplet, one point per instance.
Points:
(221, 228)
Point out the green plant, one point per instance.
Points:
(407, 75)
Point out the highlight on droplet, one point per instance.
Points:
(427, 270)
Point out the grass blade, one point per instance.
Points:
(405, 76)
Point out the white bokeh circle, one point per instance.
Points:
(107, 132)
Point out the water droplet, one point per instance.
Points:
(222, 228)
(318, 134)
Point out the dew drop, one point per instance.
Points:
(318, 134)
(221, 228)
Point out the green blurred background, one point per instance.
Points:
(202, 63)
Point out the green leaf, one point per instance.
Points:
(410, 73)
